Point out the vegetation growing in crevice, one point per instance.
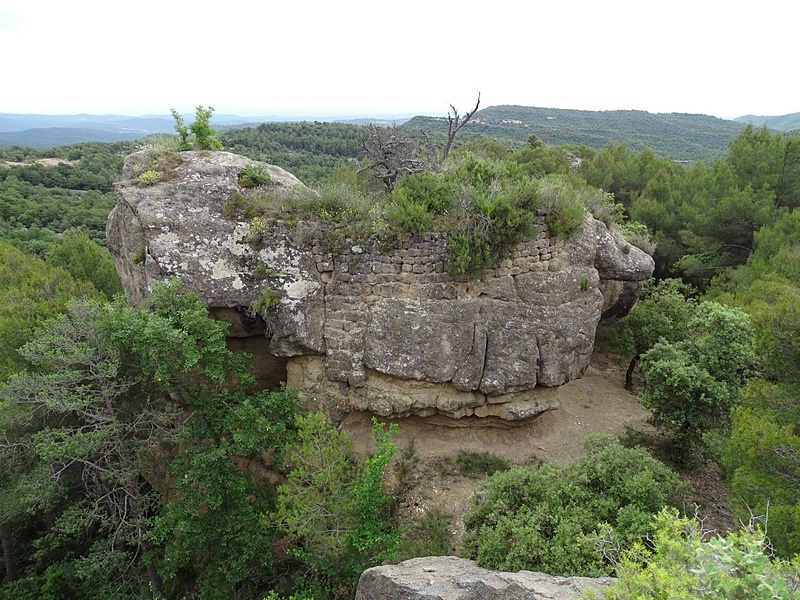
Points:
(266, 303)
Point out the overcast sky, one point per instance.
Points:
(323, 57)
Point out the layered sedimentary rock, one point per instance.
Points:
(373, 328)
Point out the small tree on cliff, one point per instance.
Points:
(203, 133)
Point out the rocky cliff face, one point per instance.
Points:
(367, 328)
(452, 578)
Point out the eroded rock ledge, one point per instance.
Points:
(386, 331)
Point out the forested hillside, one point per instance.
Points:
(786, 123)
(139, 460)
(680, 137)
(46, 192)
(309, 150)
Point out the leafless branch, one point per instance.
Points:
(392, 154)
(455, 123)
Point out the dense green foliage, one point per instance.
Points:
(309, 150)
(38, 201)
(787, 123)
(693, 384)
(334, 510)
(703, 218)
(763, 458)
(682, 562)
(212, 530)
(763, 453)
(85, 261)
(90, 412)
(32, 292)
(542, 518)
(153, 400)
(97, 417)
(662, 313)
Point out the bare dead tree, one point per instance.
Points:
(392, 154)
(455, 122)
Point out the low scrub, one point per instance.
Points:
(475, 464)
(485, 207)
(545, 518)
(681, 561)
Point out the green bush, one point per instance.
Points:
(541, 518)
(485, 175)
(681, 563)
(692, 384)
(406, 215)
(475, 464)
(253, 176)
(203, 133)
(485, 227)
(565, 205)
(428, 189)
(333, 509)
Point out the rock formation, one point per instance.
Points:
(452, 578)
(370, 328)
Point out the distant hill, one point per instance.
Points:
(779, 123)
(47, 131)
(50, 137)
(681, 137)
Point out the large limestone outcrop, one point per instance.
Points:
(385, 330)
(452, 578)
